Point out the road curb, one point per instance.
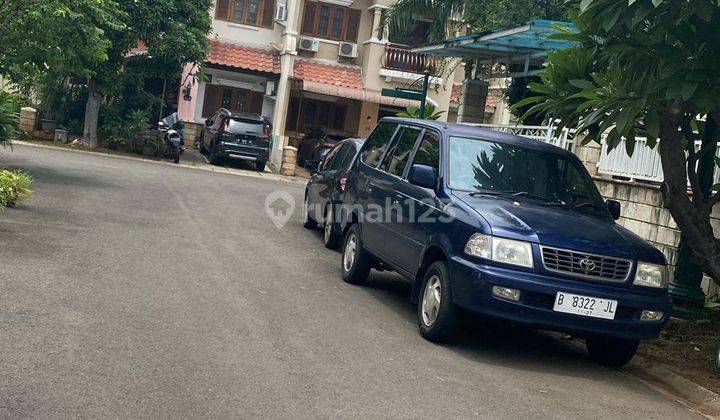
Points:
(251, 174)
(656, 373)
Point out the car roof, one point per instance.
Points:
(463, 130)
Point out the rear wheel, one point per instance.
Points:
(176, 154)
(308, 221)
(356, 262)
(611, 352)
(436, 312)
(214, 158)
(331, 230)
(260, 165)
(201, 145)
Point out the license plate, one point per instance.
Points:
(585, 305)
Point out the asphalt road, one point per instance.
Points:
(132, 289)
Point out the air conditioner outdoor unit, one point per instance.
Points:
(309, 44)
(348, 49)
(281, 12)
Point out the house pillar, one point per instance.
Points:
(282, 96)
(186, 107)
(472, 101)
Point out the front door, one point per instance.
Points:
(421, 205)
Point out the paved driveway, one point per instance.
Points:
(132, 289)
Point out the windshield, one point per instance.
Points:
(245, 126)
(502, 169)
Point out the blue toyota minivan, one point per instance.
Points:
(502, 226)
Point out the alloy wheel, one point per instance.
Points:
(431, 300)
(349, 253)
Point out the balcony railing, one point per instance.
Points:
(399, 57)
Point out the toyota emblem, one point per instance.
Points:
(587, 264)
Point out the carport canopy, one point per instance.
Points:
(527, 44)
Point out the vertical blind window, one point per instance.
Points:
(324, 20)
(247, 12)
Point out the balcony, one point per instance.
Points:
(399, 58)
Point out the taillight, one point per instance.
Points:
(266, 131)
(342, 182)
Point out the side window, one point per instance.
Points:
(428, 152)
(338, 158)
(396, 160)
(377, 143)
(330, 159)
(351, 153)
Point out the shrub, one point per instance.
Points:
(14, 187)
(9, 116)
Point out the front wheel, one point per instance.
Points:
(356, 263)
(308, 221)
(214, 158)
(260, 165)
(331, 230)
(611, 352)
(176, 154)
(436, 312)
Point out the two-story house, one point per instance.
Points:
(306, 65)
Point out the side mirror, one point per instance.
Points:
(208, 122)
(614, 208)
(423, 176)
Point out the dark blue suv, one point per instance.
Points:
(502, 226)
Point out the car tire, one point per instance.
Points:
(308, 221)
(611, 352)
(331, 229)
(260, 165)
(355, 261)
(436, 312)
(214, 158)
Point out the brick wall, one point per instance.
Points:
(642, 211)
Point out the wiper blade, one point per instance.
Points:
(571, 205)
(509, 194)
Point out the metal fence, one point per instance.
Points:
(547, 134)
(643, 165)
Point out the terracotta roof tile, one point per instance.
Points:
(315, 71)
(243, 57)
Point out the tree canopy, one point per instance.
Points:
(647, 67)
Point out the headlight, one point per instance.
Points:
(651, 275)
(501, 250)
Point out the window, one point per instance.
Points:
(418, 35)
(428, 152)
(315, 114)
(339, 162)
(247, 12)
(325, 20)
(396, 160)
(233, 99)
(377, 143)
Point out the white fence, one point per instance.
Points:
(643, 165)
(546, 134)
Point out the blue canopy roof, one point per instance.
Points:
(526, 43)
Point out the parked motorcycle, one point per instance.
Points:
(172, 129)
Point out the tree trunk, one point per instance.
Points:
(694, 224)
(92, 113)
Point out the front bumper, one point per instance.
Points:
(472, 284)
(243, 152)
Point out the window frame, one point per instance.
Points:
(366, 145)
(262, 9)
(347, 17)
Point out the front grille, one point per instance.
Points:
(584, 265)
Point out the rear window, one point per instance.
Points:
(245, 126)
